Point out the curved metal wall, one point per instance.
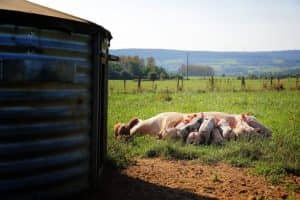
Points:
(45, 112)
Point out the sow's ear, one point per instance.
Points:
(244, 116)
(116, 129)
(133, 122)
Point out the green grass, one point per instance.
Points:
(200, 85)
(280, 111)
(272, 171)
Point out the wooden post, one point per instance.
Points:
(182, 83)
(271, 81)
(243, 82)
(177, 83)
(139, 83)
(211, 82)
(264, 83)
(124, 85)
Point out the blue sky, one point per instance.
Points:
(216, 25)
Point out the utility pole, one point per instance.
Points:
(187, 65)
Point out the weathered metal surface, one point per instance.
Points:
(45, 112)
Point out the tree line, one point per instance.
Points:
(134, 67)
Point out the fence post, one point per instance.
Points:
(139, 83)
(271, 81)
(265, 84)
(243, 82)
(124, 85)
(211, 82)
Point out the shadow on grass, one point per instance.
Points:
(117, 186)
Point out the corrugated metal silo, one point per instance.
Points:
(53, 101)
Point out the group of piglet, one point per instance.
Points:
(214, 130)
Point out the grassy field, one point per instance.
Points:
(278, 110)
(197, 84)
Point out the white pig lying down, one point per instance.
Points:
(196, 128)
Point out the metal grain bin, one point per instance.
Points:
(53, 101)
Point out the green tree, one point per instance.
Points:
(152, 76)
(135, 69)
(114, 75)
(150, 62)
(133, 65)
(163, 76)
(125, 75)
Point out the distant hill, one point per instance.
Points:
(229, 63)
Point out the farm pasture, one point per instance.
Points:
(278, 110)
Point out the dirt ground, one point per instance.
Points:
(169, 179)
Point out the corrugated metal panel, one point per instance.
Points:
(45, 112)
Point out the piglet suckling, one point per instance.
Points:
(216, 136)
(192, 126)
(205, 129)
(226, 129)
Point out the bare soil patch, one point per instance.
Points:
(176, 179)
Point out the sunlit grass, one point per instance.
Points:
(200, 84)
(278, 110)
